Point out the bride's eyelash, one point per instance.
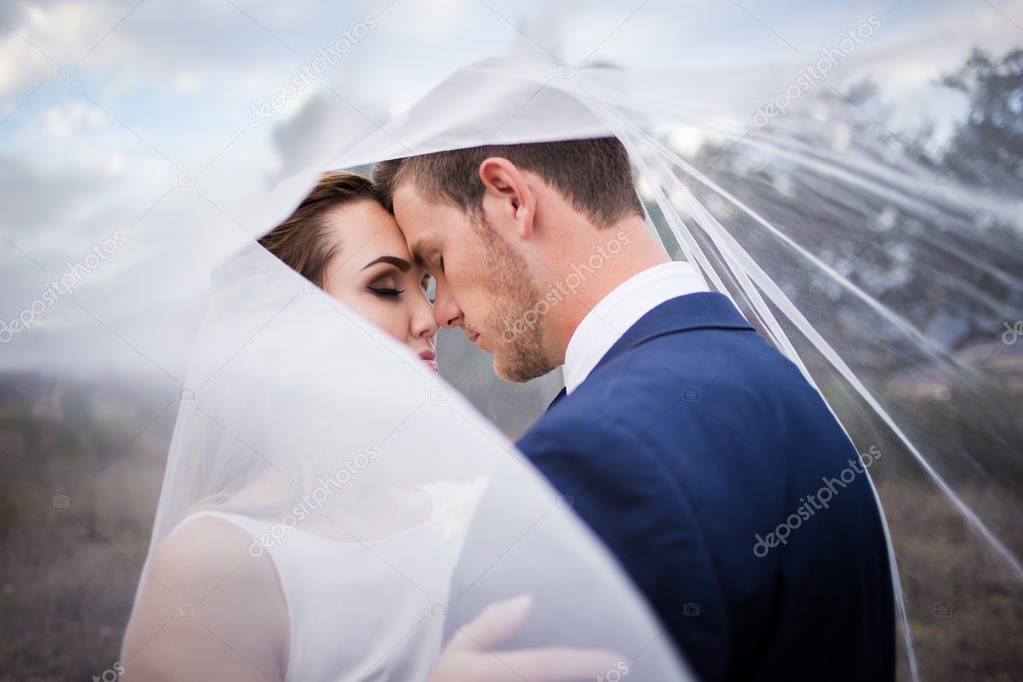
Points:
(386, 292)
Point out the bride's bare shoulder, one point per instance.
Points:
(206, 549)
(205, 593)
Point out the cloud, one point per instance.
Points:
(914, 57)
(62, 120)
(33, 198)
(434, 21)
(322, 127)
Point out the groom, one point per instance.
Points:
(703, 459)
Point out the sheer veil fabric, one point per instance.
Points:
(305, 429)
(294, 406)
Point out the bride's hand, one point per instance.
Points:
(468, 657)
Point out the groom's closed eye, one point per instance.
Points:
(426, 254)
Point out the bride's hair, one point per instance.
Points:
(304, 241)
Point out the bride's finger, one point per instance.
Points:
(496, 622)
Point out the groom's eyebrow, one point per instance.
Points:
(399, 263)
(422, 250)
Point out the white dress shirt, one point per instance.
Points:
(623, 307)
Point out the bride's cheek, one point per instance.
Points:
(388, 318)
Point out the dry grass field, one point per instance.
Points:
(69, 565)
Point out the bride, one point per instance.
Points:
(339, 238)
(284, 550)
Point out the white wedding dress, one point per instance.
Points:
(352, 614)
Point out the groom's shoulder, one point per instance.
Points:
(694, 369)
(699, 379)
(577, 422)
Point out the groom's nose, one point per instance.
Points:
(445, 311)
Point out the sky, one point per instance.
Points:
(112, 111)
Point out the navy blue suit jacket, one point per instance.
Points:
(688, 446)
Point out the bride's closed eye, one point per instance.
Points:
(385, 287)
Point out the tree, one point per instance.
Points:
(987, 148)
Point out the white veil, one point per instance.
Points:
(297, 421)
(285, 382)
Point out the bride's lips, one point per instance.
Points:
(430, 358)
(472, 336)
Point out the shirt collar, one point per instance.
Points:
(622, 308)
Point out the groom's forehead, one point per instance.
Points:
(425, 222)
(412, 211)
(415, 222)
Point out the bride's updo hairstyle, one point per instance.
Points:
(304, 241)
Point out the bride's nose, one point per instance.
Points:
(422, 324)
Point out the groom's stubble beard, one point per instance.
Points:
(508, 281)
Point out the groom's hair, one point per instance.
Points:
(594, 176)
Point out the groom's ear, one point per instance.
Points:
(509, 198)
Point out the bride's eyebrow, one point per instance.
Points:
(399, 263)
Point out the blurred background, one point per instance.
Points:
(120, 118)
